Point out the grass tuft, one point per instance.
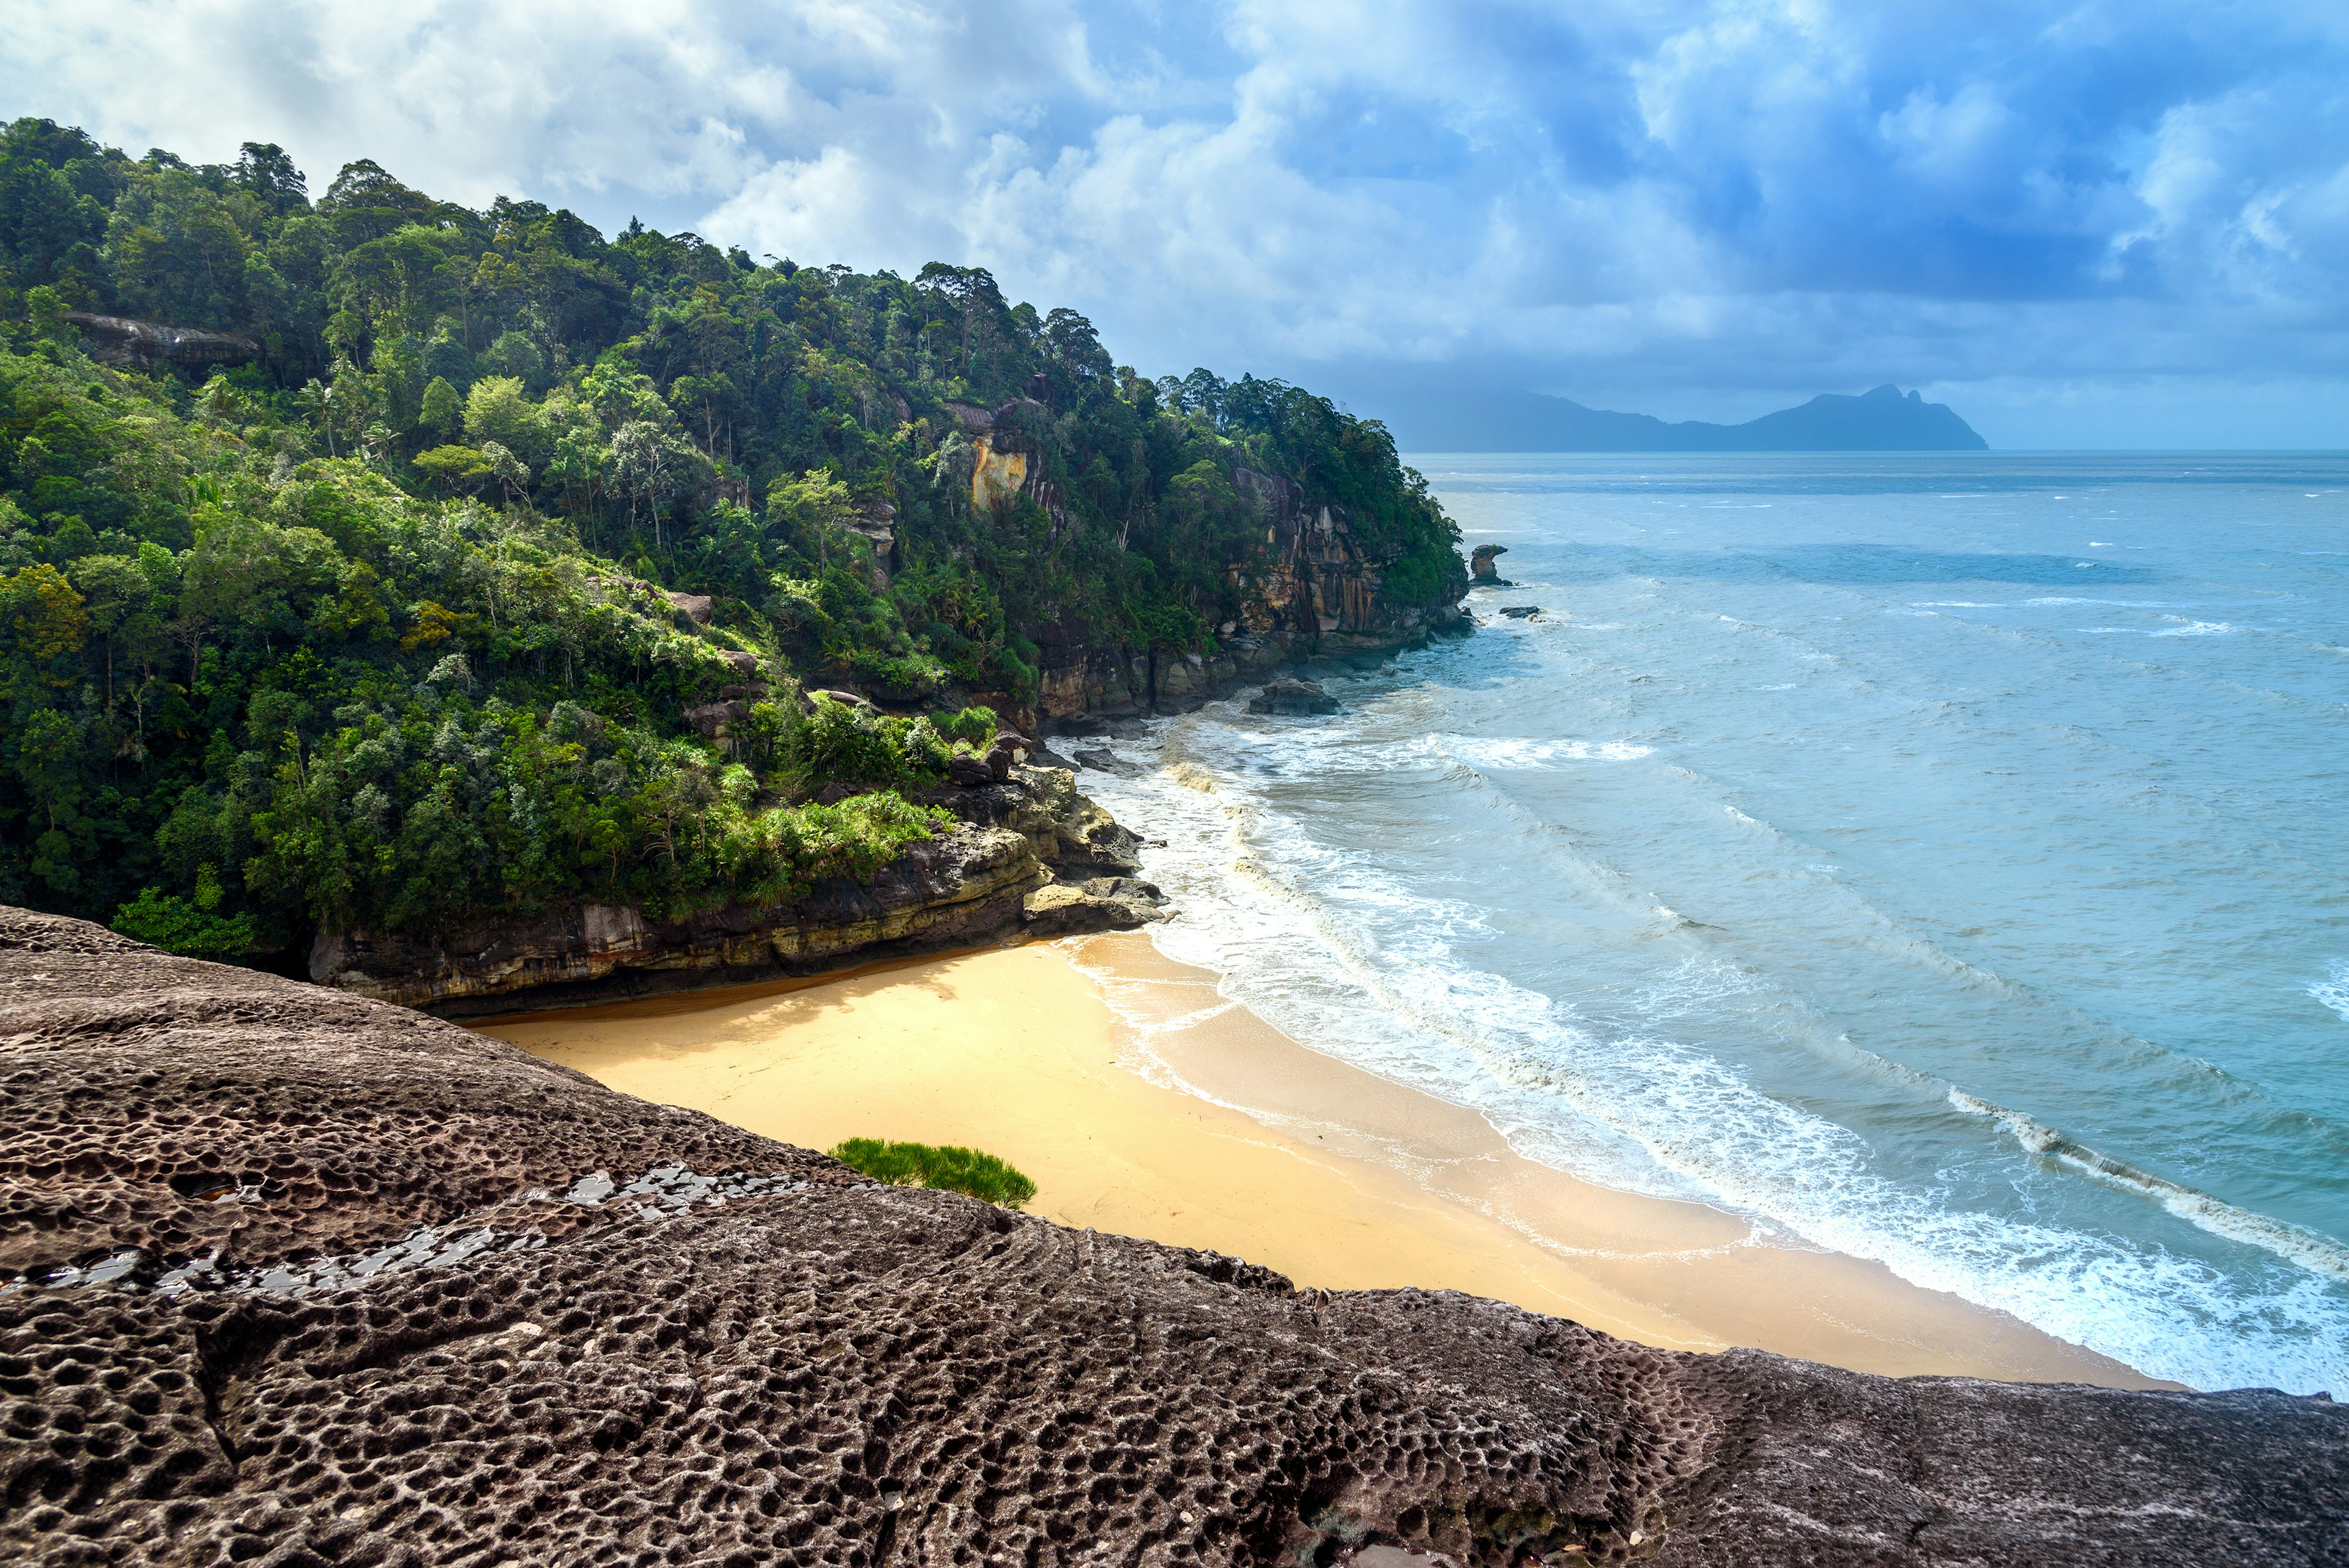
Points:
(948, 1167)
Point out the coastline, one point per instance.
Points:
(1329, 1175)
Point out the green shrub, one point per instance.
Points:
(853, 746)
(948, 1168)
(165, 920)
(973, 726)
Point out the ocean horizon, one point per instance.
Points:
(1934, 858)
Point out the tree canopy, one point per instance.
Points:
(383, 628)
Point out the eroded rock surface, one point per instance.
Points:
(795, 1367)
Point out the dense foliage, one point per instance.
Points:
(379, 629)
(946, 1167)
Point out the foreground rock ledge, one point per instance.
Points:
(818, 1371)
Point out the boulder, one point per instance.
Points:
(711, 719)
(1102, 760)
(695, 607)
(1293, 697)
(1099, 903)
(1522, 612)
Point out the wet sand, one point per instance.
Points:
(1334, 1177)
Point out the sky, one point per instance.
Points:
(2118, 224)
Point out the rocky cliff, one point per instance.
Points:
(1320, 592)
(1030, 854)
(296, 1279)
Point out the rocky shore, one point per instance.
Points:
(1029, 855)
(293, 1277)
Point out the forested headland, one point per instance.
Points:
(395, 618)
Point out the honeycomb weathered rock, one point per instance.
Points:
(843, 1374)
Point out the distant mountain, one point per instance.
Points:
(1881, 420)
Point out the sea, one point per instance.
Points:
(1941, 859)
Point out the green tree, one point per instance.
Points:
(443, 412)
(498, 410)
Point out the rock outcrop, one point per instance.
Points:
(150, 345)
(1292, 697)
(1025, 858)
(1323, 595)
(298, 1278)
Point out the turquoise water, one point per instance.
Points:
(1939, 858)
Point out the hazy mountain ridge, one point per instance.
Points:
(1883, 420)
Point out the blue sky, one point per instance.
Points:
(2100, 225)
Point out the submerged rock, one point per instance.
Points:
(636, 1335)
(1522, 612)
(1102, 760)
(1294, 696)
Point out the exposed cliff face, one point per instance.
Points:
(150, 345)
(1027, 856)
(468, 1307)
(1323, 594)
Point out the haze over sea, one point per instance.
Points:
(1936, 857)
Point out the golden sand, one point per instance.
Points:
(1336, 1178)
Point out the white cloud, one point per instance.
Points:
(1783, 194)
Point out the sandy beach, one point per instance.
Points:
(1277, 1154)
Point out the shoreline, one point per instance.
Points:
(1335, 1177)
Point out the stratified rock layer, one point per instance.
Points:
(823, 1372)
(1025, 860)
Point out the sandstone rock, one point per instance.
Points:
(1066, 830)
(1481, 569)
(1108, 762)
(960, 888)
(150, 345)
(712, 718)
(651, 1338)
(971, 773)
(695, 607)
(964, 887)
(1100, 903)
(1295, 697)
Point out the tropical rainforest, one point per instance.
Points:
(397, 623)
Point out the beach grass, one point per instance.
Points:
(949, 1167)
